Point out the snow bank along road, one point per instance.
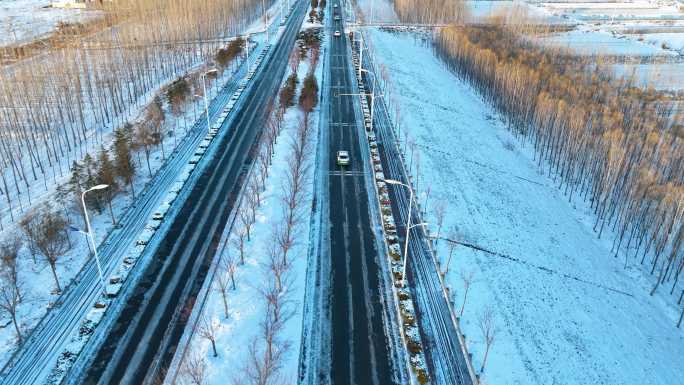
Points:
(144, 334)
(359, 342)
(32, 363)
(446, 361)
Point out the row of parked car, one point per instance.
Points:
(403, 298)
(155, 221)
(115, 282)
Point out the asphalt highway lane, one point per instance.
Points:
(360, 345)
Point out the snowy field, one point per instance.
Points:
(566, 310)
(639, 28)
(674, 41)
(636, 28)
(660, 76)
(24, 20)
(585, 42)
(482, 9)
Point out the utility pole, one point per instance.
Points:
(265, 16)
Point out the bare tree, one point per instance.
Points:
(207, 330)
(238, 241)
(293, 189)
(246, 218)
(489, 331)
(10, 283)
(268, 349)
(275, 301)
(9, 261)
(276, 265)
(223, 278)
(451, 245)
(254, 195)
(276, 293)
(467, 279)
(285, 238)
(194, 369)
(45, 231)
(264, 362)
(432, 11)
(9, 303)
(264, 163)
(440, 211)
(145, 138)
(229, 265)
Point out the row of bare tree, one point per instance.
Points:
(269, 347)
(431, 11)
(58, 105)
(602, 139)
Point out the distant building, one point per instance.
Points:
(74, 4)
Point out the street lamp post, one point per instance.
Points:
(408, 226)
(247, 48)
(265, 16)
(204, 88)
(90, 233)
